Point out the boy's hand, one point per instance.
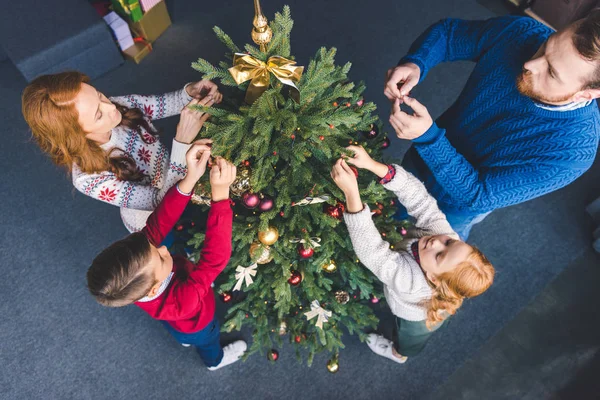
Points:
(222, 175)
(197, 157)
(362, 159)
(345, 179)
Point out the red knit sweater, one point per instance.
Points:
(188, 303)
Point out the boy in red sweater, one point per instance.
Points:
(171, 289)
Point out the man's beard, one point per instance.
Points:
(525, 87)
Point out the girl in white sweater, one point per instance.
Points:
(424, 282)
(110, 146)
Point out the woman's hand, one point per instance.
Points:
(191, 121)
(196, 158)
(222, 175)
(202, 89)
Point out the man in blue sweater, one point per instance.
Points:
(525, 124)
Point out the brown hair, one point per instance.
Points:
(470, 278)
(586, 39)
(117, 277)
(49, 109)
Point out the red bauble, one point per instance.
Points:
(298, 339)
(295, 278)
(331, 126)
(281, 214)
(273, 355)
(266, 203)
(335, 104)
(305, 252)
(335, 211)
(250, 200)
(293, 137)
(225, 297)
(348, 104)
(321, 137)
(386, 143)
(179, 227)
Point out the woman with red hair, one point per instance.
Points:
(109, 146)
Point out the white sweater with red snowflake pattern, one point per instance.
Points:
(137, 200)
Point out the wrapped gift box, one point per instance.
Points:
(137, 52)
(120, 30)
(129, 9)
(148, 4)
(153, 23)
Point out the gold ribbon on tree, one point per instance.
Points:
(249, 68)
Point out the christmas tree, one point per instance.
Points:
(293, 274)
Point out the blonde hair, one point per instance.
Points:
(468, 279)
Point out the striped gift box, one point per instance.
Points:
(148, 4)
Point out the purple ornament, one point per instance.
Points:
(386, 143)
(266, 204)
(250, 200)
(372, 133)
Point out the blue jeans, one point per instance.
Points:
(206, 342)
(460, 223)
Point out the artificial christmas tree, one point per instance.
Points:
(292, 257)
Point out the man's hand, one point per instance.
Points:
(222, 175)
(408, 126)
(204, 88)
(399, 81)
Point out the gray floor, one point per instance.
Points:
(56, 343)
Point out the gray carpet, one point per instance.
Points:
(56, 343)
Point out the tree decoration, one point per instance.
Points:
(329, 267)
(305, 252)
(266, 203)
(269, 237)
(244, 274)
(272, 355)
(336, 211)
(250, 200)
(319, 312)
(225, 297)
(295, 278)
(242, 181)
(342, 297)
(333, 365)
(261, 254)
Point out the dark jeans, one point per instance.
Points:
(206, 342)
(461, 222)
(412, 336)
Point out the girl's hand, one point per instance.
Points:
(196, 158)
(361, 158)
(222, 175)
(344, 177)
(191, 121)
(204, 88)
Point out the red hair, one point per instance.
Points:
(49, 108)
(468, 279)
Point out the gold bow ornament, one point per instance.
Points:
(249, 68)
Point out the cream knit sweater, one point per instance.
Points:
(405, 286)
(137, 200)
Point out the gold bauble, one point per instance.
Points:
(283, 329)
(330, 267)
(262, 252)
(242, 181)
(200, 195)
(342, 297)
(268, 237)
(333, 365)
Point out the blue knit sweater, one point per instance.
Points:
(494, 147)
